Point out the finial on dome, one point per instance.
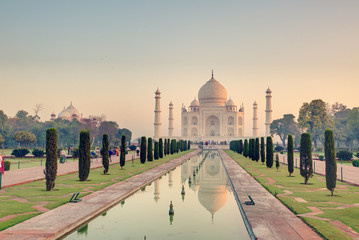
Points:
(212, 73)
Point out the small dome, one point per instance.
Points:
(158, 91)
(72, 111)
(212, 92)
(64, 115)
(230, 103)
(194, 103)
(268, 91)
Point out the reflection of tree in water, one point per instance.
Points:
(82, 230)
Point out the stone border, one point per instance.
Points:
(269, 218)
(62, 220)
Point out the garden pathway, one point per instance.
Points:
(269, 218)
(25, 175)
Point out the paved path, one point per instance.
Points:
(350, 173)
(269, 218)
(25, 175)
(62, 220)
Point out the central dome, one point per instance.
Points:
(212, 93)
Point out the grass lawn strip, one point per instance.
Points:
(28, 200)
(303, 199)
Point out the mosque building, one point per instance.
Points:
(213, 117)
(70, 113)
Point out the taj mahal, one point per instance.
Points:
(213, 117)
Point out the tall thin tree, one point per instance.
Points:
(123, 151)
(143, 150)
(160, 148)
(269, 152)
(290, 155)
(149, 150)
(84, 155)
(330, 161)
(263, 153)
(105, 153)
(51, 158)
(306, 162)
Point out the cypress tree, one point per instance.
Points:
(263, 153)
(330, 160)
(185, 145)
(165, 147)
(172, 147)
(189, 145)
(290, 155)
(240, 142)
(143, 150)
(51, 158)
(276, 161)
(306, 163)
(160, 148)
(257, 149)
(269, 152)
(123, 151)
(245, 149)
(149, 150)
(249, 154)
(156, 151)
(168, 146)
(251, 149)
(84, 155)
(105, 153)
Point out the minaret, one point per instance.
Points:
(255, 119)
(170, 120)
(157, 115)
(157, 190)
(268, 111)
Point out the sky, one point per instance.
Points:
(109, 57)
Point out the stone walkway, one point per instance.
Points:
(62, 220)
(269, 218)
(350, 173)
(25, 175)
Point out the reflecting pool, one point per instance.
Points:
(206, 210)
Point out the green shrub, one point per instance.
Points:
(278, 148)
(256, 149)
(330, 161)
(85, 155)
(269, 152)
(160, 148)
(7, 165)
(306, 162)
(321, 157)
(105, 153)
(344, 155)
(276, 161)
(189, 145)
(75, 153)
(20, 153)
(156, 151)
(355, 163)
(240, 146)
(263, 151)
(38, 153)
(245, 148)
(149, 150)
(143, 149)
(357, 154)
(165, 147)
(51, 158)
(133, 147)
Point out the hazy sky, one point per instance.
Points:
(108, 57)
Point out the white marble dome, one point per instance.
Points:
(72, 111)
(230, 103)
(213, 93)
(64, 115)
(194, 103)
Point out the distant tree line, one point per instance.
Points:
(25, 130)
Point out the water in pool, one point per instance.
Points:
(207, 210)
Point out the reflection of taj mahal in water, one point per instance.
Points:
(207, 178)
(213, 116)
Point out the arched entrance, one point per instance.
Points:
(212, 126)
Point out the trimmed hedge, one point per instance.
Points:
(38, 153)
(355, 163)
(20, 153)
(7, 165)
(344, 155)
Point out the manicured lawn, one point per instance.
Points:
(338, 207)
(26, 199)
